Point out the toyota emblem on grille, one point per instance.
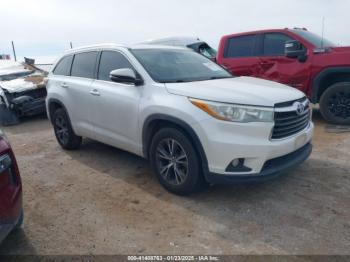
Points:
(300, 108)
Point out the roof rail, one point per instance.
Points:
(81, 48)
(300, 28)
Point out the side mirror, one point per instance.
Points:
(294, 49)
(125, 75)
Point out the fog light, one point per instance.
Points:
(237, 165)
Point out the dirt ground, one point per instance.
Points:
(101, 200)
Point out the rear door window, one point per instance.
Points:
(63, 66)
(111, 60)
(240, 46)
(84, 64)
(274, 44)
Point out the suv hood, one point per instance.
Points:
(238, 90)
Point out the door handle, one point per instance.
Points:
(94, 92)
(64, 85)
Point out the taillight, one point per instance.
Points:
(8, 166)
(8, 170)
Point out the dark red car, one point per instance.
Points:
(295, 57)
(11, 212)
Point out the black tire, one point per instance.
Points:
(64, 132)
(189, 175)
(335, 104)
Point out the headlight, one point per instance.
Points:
(235, 113)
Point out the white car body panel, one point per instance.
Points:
(117, 114)
(238, 90)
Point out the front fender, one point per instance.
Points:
(319, 81)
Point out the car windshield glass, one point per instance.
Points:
(314, 39)
(175, 65)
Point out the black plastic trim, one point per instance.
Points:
(54, 100)
(290, 103)
(146, 136)
(239, 168)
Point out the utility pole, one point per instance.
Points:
(14, 51)
(71, 45)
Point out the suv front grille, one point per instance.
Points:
(291, 120)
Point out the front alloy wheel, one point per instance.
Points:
(175, 161)
(172, 161)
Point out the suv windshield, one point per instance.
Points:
(314, 39)
(170, 66)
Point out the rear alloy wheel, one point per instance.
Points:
(175, 162)
(335, 104)
(62, 129)
(64, 132)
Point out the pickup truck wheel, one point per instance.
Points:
(175, 162)
(64, 132)
(335, 104)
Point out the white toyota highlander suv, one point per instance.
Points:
(193, 120)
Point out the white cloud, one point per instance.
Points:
(38, 23)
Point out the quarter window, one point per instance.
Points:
(274, 43)
(63, 66)
(240, 46)
(84, 64)
(111, 60)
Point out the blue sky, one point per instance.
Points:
(45, 27)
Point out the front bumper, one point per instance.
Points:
(225, 141)
(272, 168)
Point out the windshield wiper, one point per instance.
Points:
(220, 77)
(175, 81)
(194, 80)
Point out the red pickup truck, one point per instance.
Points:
(295, 57)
